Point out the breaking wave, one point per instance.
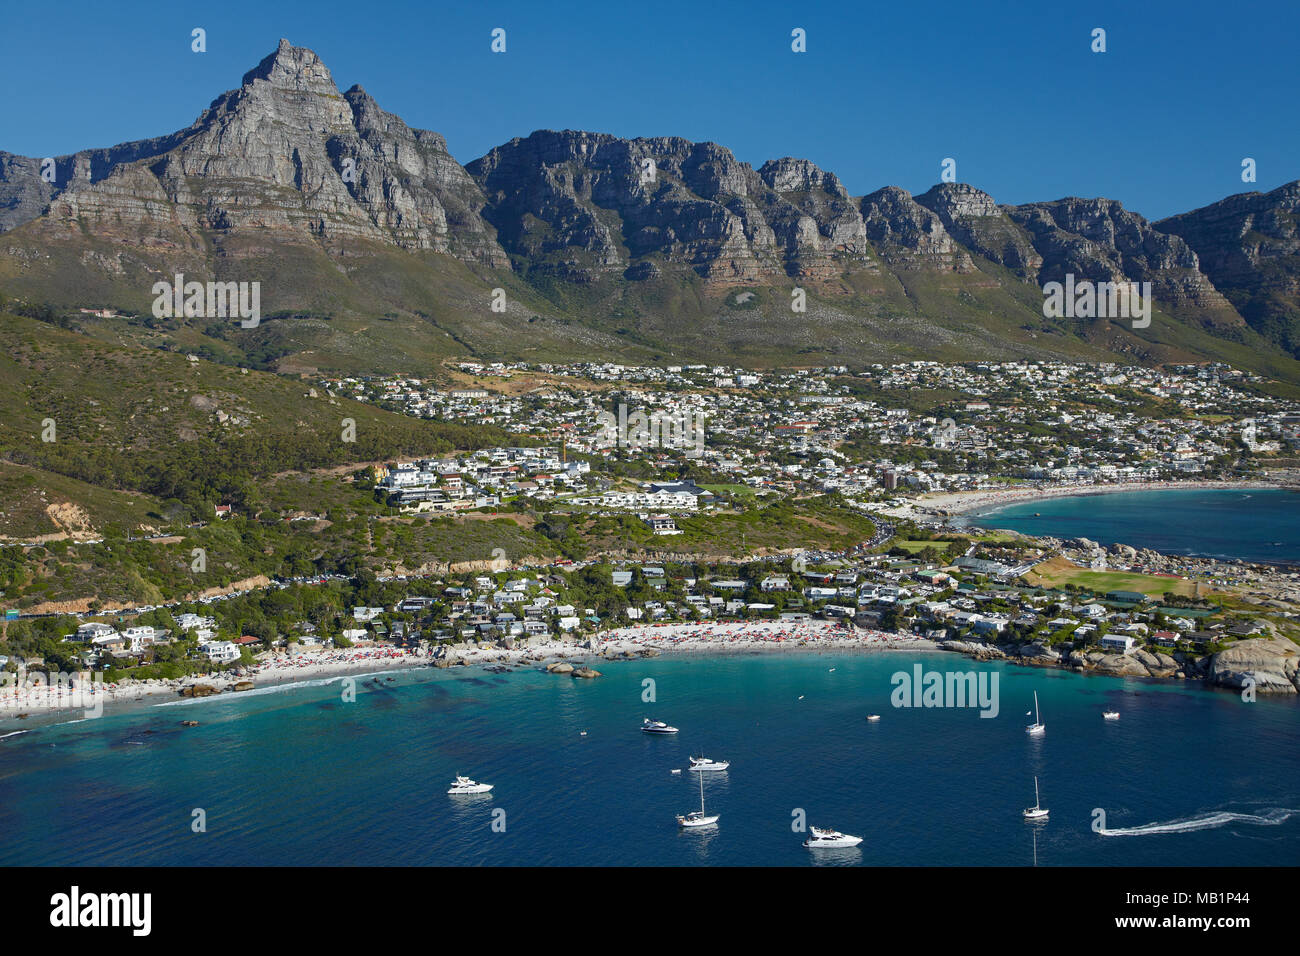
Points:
(358, 676)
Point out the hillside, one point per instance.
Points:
(187, 432)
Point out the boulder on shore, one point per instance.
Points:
(199, 690)
(1121, 665)
(586, 672)
(559, 667)
(1269, 664)
(243, 685)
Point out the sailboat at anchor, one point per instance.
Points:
(1037, 727)
(698, 818)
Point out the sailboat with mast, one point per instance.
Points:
(1037, 727)
(698, 818)
(1036, 812)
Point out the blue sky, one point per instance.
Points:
(885, 92)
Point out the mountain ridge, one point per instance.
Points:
(341, 209)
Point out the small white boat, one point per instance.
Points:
(466, 785)
(829, 839)
(831, 671)
(656, 727)
(702, 764)
(1110, 714)
(676, 770)
(801, 696)
(1037, 727)
(873, 716)
(698, 818)
(1036, 812)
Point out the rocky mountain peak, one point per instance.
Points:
(790, 175)
(293, 68)
(954, 200)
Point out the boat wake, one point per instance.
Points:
(1206, 821)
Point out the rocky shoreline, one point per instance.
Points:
(1266, 665)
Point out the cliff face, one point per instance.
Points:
(287, 171)
(285, 155)
(1249, 245)
(580, 204)
(1099, 239)
(977, 222)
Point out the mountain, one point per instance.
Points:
(1249, 246)
(377, 251)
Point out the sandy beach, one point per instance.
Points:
(37, 694)
(969, 502)
(81, 698)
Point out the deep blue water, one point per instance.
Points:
(297, 776)
(1254, 525)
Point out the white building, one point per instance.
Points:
(220, 652)
(1118, 642)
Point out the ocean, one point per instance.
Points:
(298, 776)
(1253, 525)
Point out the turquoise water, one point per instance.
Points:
(1254, 525)
(298, 776)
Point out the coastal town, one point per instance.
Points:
(920, 426)
(919, 573)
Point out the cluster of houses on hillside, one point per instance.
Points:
(105, 646)
(795, 431)
(973, 598)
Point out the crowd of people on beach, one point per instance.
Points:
(757, 634)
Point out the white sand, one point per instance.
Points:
(961, 502)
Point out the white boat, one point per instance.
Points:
(1036, 812)
(656, 727)
(698, 818)
(701, 764)
(466, 785)
(829, 839)
(1110, 714)
(873, 716)
(1037, 727)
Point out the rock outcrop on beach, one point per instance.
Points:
(981, 652)
(559, 667)
(586, 672)
(1269, 665)
(1272, 664)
